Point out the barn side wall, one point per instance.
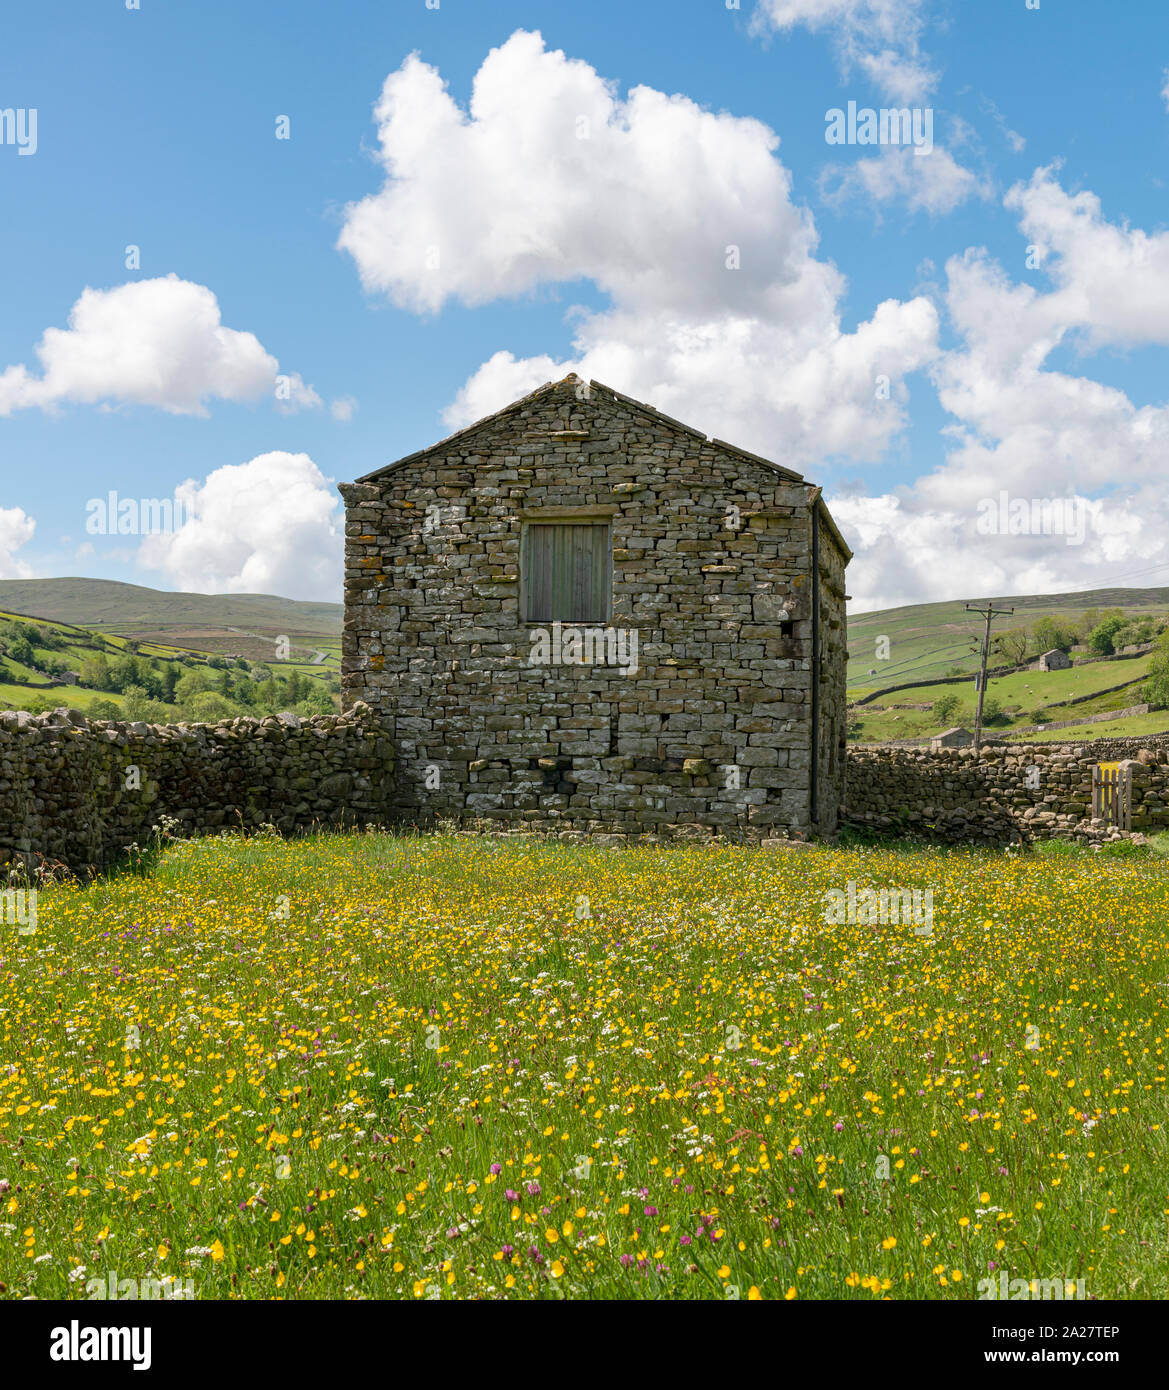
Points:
(833, 696)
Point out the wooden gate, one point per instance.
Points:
(1112, 794)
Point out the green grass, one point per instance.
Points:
(1024, 692)
(73, 696)
(350, 1050)
(926, 639)
(1135, 725)
(1030, 688)
(25, 687)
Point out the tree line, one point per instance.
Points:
(1103, 631)
(161, 690)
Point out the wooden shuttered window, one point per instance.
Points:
(567, 572)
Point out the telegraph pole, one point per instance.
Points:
(988, 613)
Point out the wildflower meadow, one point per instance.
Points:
(447, 1066)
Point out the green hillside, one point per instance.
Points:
(930, 639)
(105, 603)
(1026, 698)
(45, 664)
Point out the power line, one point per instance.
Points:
(988, 613)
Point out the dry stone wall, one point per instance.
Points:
(1106, 717)
(1015, 793)
(80, 792)
(1119, 747)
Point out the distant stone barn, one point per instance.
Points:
(581, 614)
(1054, 660)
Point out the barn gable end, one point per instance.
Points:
(582, 614)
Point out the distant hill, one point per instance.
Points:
(108, 668)
(927, 639)
(243, 623)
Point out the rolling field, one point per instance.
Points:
(1029, 688)
(927, 639)
(21, 684)
(121, 607)
(72, 696)
(1024, 692)
(97, 615)
(445, 1067)
(1129, 727)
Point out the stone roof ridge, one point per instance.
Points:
(573, 380)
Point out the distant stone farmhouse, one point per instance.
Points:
(1054, 660)
(580, 613)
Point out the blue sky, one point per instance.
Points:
(603, 248)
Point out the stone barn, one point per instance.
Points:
(956, 737)
(581, 614)
(1054, 660)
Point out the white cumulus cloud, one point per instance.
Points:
(16, 530)
(720, 312)
(934, 183)
(157, 342)
(271, 525)
(881, 38)
(1111, 281)
(1027, 428)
